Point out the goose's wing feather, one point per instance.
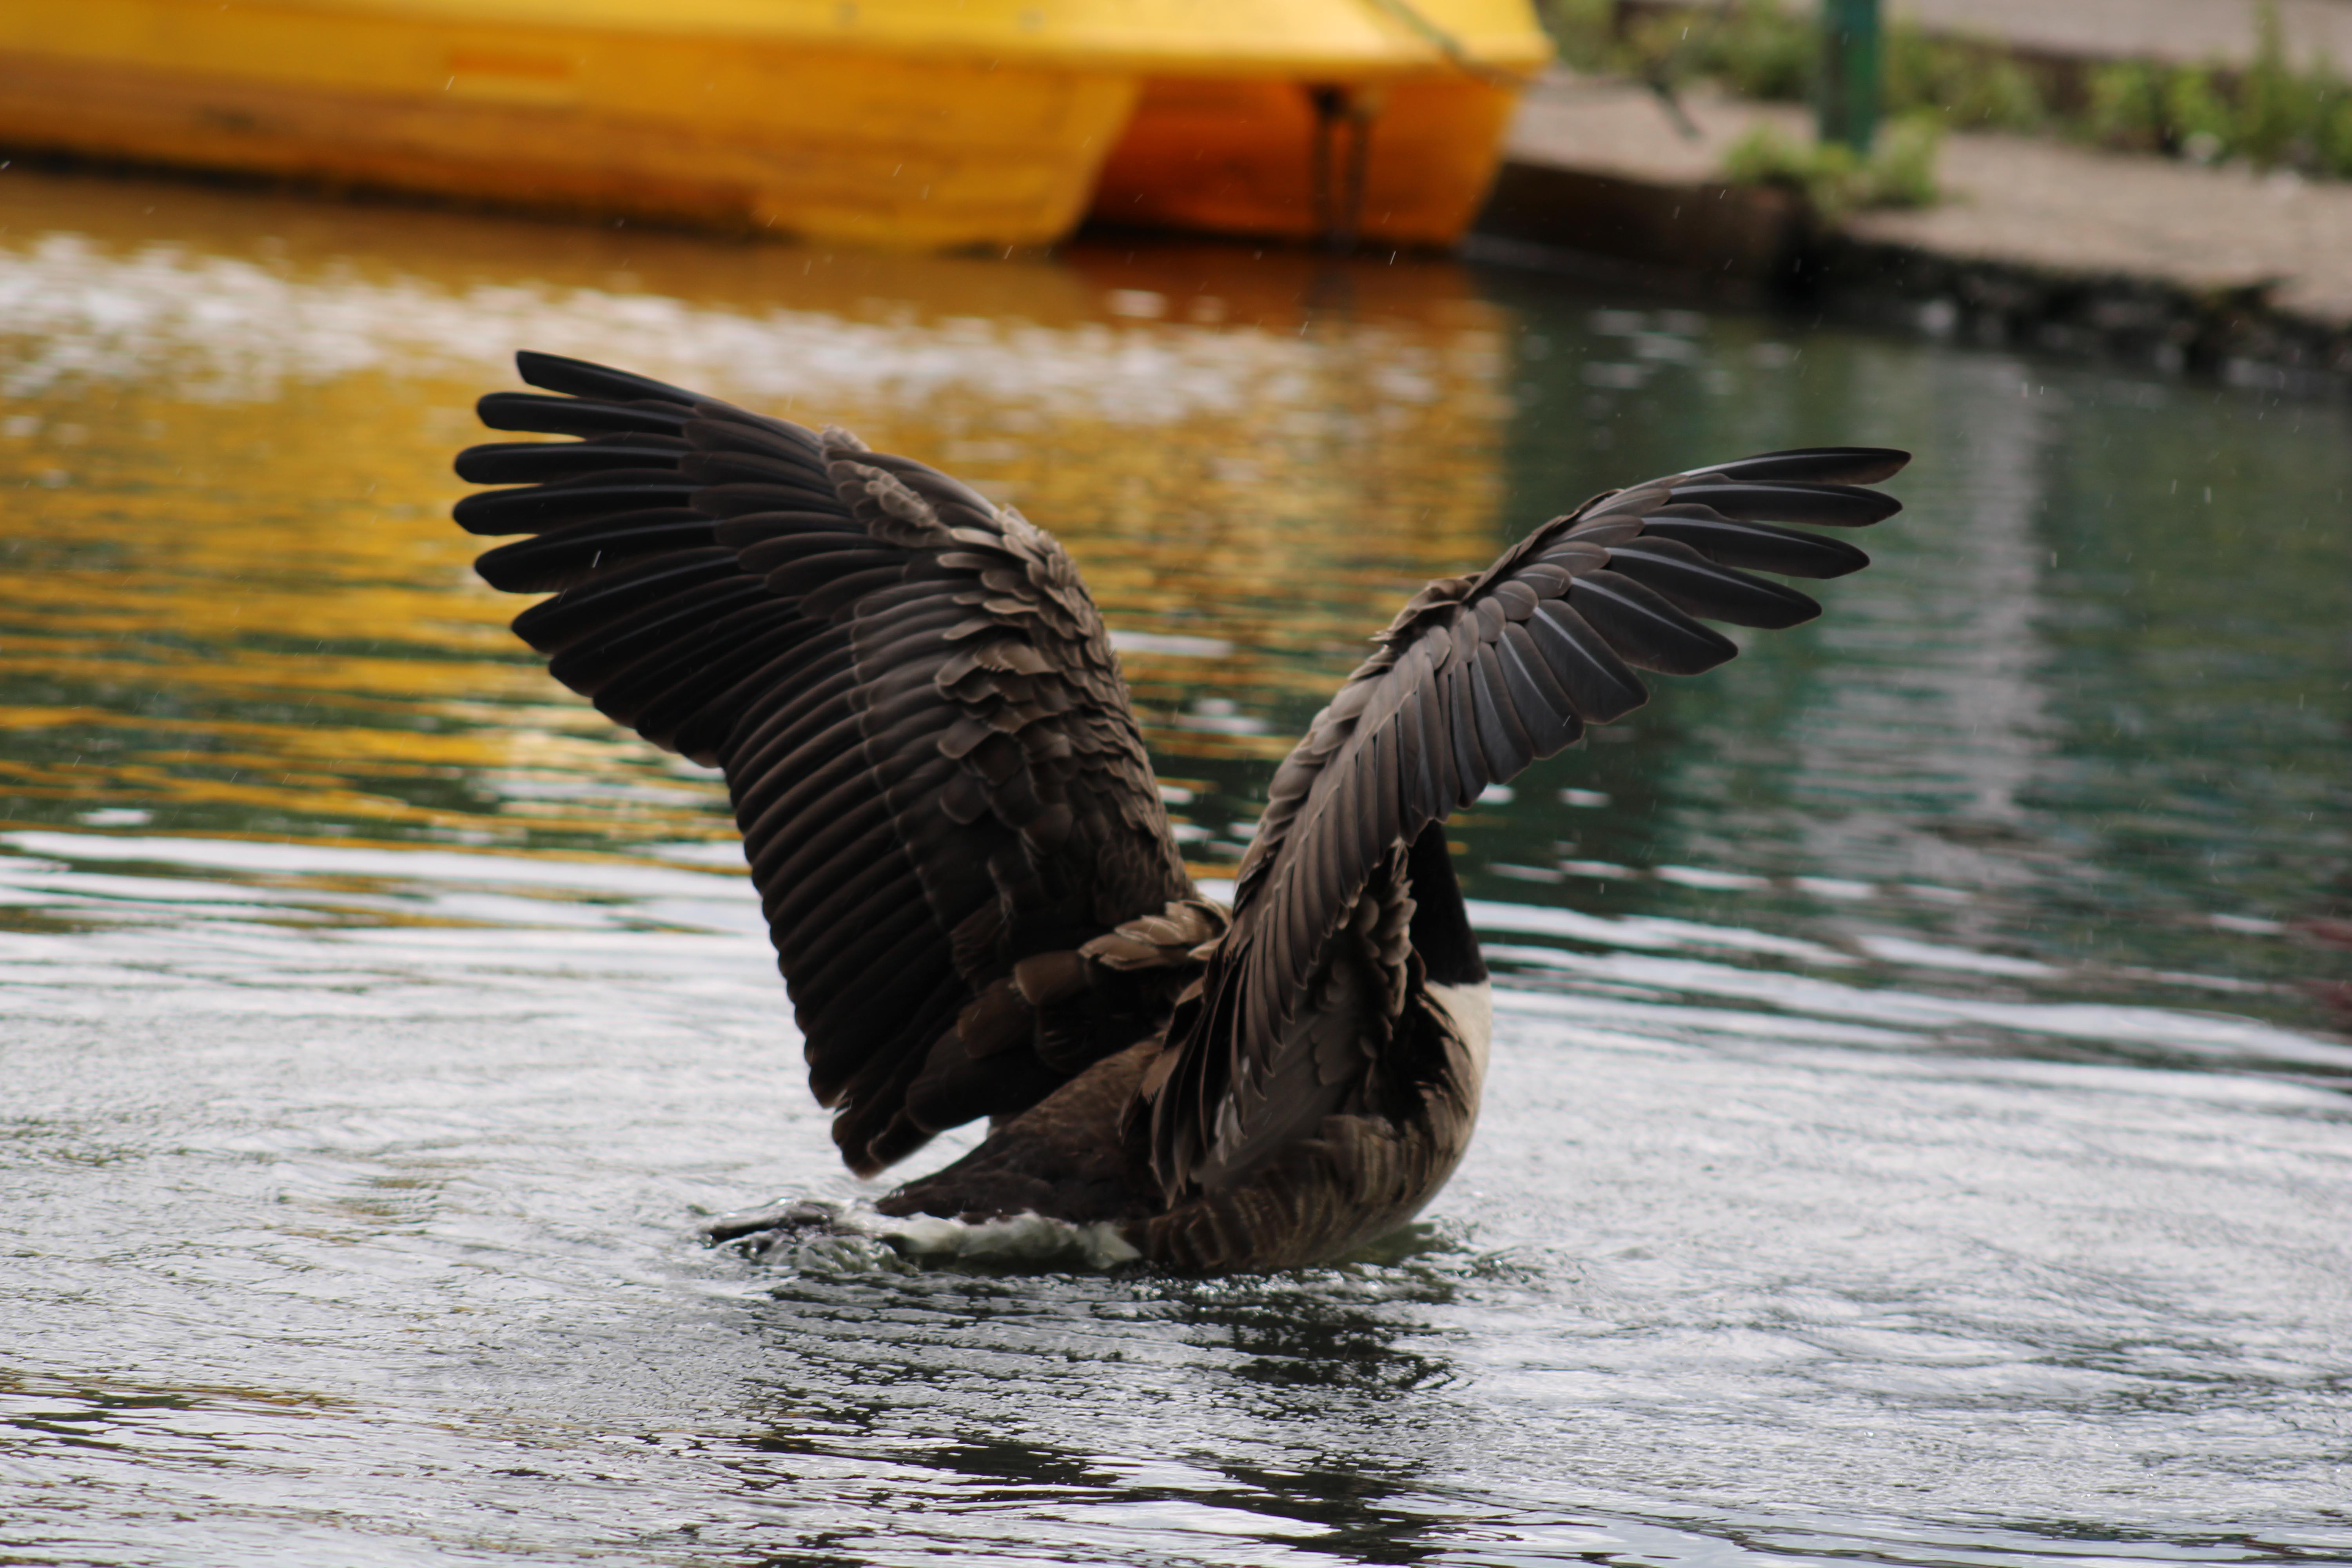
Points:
(916, 705)
(1477, 678)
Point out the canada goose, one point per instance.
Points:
(962, 857)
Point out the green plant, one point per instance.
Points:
(2271, 113)
(1899, 173)
(1759, 49)
(1902, 168)
(2270, 107)
(1756, 49)
(1994, 92)
(2125, 107)
(1968, 83)
(1582, 31)
(2197, 119)
(1763, 52)
(2332, 144)
(1767, 156)
(2268, 114)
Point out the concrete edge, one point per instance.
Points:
(1761, 246)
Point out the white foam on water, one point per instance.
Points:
(1017, 1238)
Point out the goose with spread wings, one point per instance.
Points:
(961, 854)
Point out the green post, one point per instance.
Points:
(1849, 103)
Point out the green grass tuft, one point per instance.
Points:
(1899, 173)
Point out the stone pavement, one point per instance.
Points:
(2075, 210)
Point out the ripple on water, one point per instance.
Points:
(1918, 1131)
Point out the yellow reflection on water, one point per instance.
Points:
(226, 420)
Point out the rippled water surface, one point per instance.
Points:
(1918, 1131)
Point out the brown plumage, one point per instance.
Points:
(961, 854)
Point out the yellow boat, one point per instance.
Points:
(929, 123)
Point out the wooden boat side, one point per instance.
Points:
(834, 143)
(909, 123)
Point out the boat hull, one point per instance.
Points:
(929, 124)
(839, 144)
(1241, 155)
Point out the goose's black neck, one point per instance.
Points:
(1440, 926)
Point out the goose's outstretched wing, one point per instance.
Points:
(1477, 678)
(941, 787)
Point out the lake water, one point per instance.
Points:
(1919, 1129)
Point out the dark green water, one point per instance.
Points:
(1918, 1131)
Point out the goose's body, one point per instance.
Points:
(974, 894)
